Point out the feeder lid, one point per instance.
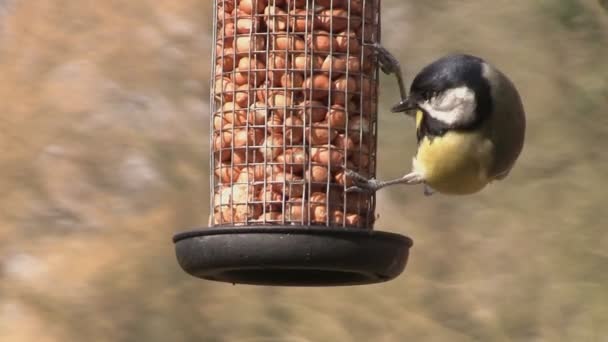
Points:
(292, 255)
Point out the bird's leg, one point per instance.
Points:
(390, 65)
(362, 184)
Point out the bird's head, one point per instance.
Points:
(454, 90)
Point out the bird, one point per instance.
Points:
(470, 125)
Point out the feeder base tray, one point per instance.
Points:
(292, 255)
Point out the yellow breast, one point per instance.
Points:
(455, 163)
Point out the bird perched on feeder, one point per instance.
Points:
(470, 125)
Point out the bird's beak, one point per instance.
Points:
(406, 106)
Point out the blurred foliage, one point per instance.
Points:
(104, 145)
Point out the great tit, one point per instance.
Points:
(470, 125)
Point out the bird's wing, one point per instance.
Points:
(502, 175)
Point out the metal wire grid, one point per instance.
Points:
(294, 100)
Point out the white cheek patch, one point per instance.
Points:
(454, 106)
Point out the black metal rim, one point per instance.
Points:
(295, 229)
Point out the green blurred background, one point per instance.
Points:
(103, 156)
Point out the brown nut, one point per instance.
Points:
(317, 174)
(301, 20)
(236, 194)
(272, 147)
(277, 64)
(248, 185)
(225, 5)
(271, 217)
(316, 87)
(231, 113)
(247, 137)
(227, 30)
(250, 70)
(292, 160)
(266, 91)
(271, 199)
(289, 42)
(328, 3)
(368, 88)
(244, 213)
(287, 183)
(275, 124)
(296, 3)
(345, 143)
(337, 19)
(223, 43)
(292, 80)
(294, 129)
(234, 114)
(252, 6)
(224, 89)
(302, 62)
(279, 103)
(312, 111)
(245, 44)
(319, 133)
(339, 65)
(260, 172)
(275, 18)
(244, 95)
(336, 217)
(246, 155)
(222, 215)
(225, 60)
(223, 139)
(220, 155)
(353, 220)
(296, 211)
(258, 112)
(327, 155)
(319, 214)
(247, 24)
(227, 173)
(344, 89)
(318, 198)
(223, 197)
(342, 179)
(347, 41)
(321, 42)
(337, 117)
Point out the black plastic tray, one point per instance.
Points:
(292, 255)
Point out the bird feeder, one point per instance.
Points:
(294, 99)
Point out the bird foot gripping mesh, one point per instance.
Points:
(294, 103)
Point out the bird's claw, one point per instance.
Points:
(354, 175)
(360, 183)
(355, 189)
(390, 65)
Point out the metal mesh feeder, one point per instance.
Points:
(293, 103)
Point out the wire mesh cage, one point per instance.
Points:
(294, 100)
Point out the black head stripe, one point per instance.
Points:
(451, 72)
(430, 128)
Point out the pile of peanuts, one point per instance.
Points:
(295, 103)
